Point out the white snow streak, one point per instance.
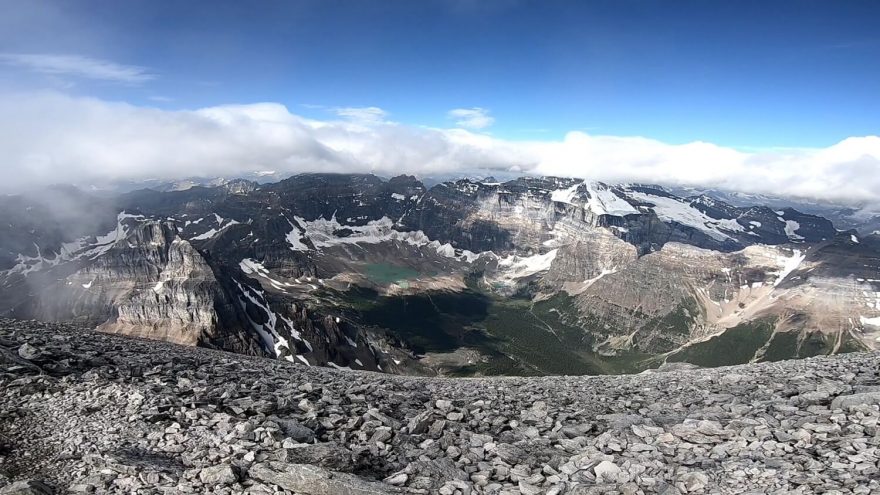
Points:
(564, 195)
(789, 265)
(791, 228)
(295, 238)
(518, 267)
(604, 202)
(206, 235)
(322, 234)
(674, 210)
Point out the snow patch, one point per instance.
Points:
(322, 234)
(205, 236)
(268, 331)
(281, 344)
(516, 267)
(77, 249)
(294, 332)
(674, 210)
(295, 238)
(873, 322)
(253, 267)
(791, 228)
(210, 234)
(267, 336)
(105, 242)
(28, 264)
(603, 201)
(564, 195)
(789, 265)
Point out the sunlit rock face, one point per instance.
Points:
(140, 279)
(359, 272)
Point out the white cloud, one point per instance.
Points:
(362, 115)
(50, 137)
(471, 118)
(77, 66)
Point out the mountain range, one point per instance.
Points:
(534, 275)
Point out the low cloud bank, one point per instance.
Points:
(51, 137)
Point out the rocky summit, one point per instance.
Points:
(87, 412)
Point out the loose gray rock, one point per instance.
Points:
(27, 487)
(29, 352)
(108, 414)
(222, 474)
(847, 401)
(313, 480)
(606, 472)
(293, 429)
(329, 455)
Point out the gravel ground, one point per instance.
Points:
(94, 413)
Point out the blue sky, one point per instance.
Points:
(742, 74)
(773, 96)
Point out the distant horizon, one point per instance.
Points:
(430, 181)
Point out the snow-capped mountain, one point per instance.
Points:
(531, 275)
(863, 218)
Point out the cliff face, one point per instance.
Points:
(497, 217)
(159, 285)
(300, 270)
(140, 279)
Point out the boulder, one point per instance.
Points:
(846, 401)
(305, 479)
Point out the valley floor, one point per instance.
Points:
(99, 413)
